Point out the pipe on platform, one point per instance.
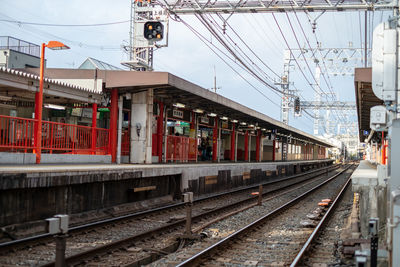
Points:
(119, 138)
(132, 131)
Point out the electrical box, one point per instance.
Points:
(384, 62)
(378, 118)
(53, 225)
(188, 197)
(64, 222)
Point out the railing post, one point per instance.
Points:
(51, 138)
(94, 126)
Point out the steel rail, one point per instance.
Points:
(6, 245)
(76, 258)
(192, 260)
(317, 229)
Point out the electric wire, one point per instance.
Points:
(19, 22)
(209, 44)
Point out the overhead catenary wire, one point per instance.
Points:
(19, 22)
(230, 50)
(210, 45)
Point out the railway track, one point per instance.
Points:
(111, 234)
(273, 239)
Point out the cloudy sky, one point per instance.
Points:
(188, 57)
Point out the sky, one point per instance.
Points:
(189, 58)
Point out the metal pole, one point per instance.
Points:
(188, 228)
(39, 104)
(260, 190)
(119, 138)
(60, 250)
(365, 40)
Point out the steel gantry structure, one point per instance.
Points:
(335, 62)
(140, 50)
(240, 6)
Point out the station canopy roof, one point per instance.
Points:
(171, 89)
(21, 86)
(365, 99)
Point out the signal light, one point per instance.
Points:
(297, 105)
(153, 30)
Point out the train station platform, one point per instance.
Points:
(32, 192)
(368, 182)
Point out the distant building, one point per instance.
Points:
(92, 64)
(18, 54)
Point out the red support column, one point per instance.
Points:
(215, 140)
(273, 150)
(94, 126)
(39, 109)
(113, 124)
(160, 131)
(233, 141)
(258, 146)
(246, 146)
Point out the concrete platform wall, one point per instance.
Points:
(29, 158)
(43, 191)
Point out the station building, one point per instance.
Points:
(141, 117)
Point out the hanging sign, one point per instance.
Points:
(204, 119)
(177, 113)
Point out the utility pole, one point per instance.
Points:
(317, 97)
(285, 88)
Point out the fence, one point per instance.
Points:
(180, 148)
(17, 135)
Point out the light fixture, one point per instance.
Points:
(212, 115)
(263, 129)
(251, 125)
(224, 118)
(52, 106)
(179, 105)
(243, 123)
(234, 121)
(197, 110)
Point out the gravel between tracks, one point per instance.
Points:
(43, 252)
(279, 242)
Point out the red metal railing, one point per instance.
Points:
(180, 148)
(17, 134)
